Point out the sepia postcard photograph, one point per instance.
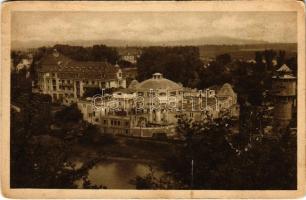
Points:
(153, 99)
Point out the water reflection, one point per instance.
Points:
(117, 174)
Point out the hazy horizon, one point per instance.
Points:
(153, 28)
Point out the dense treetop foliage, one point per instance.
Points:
(94, 53)
(205, 160)
(183, 64)
(210, 159)
(69, 114)
(38, 158)
(179, 64)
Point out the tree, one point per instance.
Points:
(292, 63)
(224, 59)
(37, 159)
(200, 162)
(21, 84)
(281, 58)
(269, 56)
(125, 64)
(92, 91)
(102, 52)
(210, 158)
(205, 152)
(180, 64)
(37, 56)
(40, 160)
(68, 114)
(94, 53)
(258, 56)
(152, 181)
(16, 57)
(92, 135)
(270, 164)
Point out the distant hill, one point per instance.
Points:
(237, 51)
(209, 46)
(246, 51)
(217, 40)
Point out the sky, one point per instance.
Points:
(279, 27)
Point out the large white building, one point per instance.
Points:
(152, 107)
(66, 80)
(144, 109)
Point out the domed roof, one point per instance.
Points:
(158, 82)
(226, 90)
(133, 84)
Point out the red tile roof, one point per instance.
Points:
(68, 68)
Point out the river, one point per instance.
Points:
(117, 174)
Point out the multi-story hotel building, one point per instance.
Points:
(143, 109)
(66, 80)
(153, 106)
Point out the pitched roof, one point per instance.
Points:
(133, 84)
(126, 90)
(284, 68)
(284, 72)
(51, 62)
(68, 68)
(226, 90)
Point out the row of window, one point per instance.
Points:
(65, 81)
(65, 87)
(62, 81)
(61, 96)
(154, 94)
(115, 122)
(91, 82)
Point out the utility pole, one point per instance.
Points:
(191, 181)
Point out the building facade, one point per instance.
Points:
(152, 107)
(284, 92)
(66, 80)
(144, 109)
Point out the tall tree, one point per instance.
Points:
(69, 114)
(180, 64)
(210, 158)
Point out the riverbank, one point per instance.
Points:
(122, 161)
(118, 173)
(132, 149)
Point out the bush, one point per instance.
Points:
(92, 135)
(68, 114)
